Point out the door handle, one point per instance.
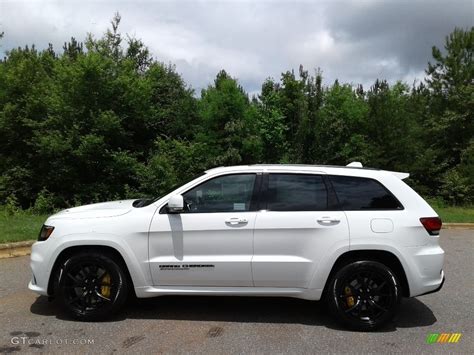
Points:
(236, 220)
(327, 221)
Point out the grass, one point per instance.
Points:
(25, 225)
(21, 226)
(455, 214)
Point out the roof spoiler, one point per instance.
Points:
(355, 164)
(358, 164)
(399, 175)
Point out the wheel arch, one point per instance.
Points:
(383, 256)
(72, 250)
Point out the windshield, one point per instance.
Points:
(142, 202)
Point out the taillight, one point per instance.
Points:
(431, 224)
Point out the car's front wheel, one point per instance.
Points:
(92, 286)
(364, 295)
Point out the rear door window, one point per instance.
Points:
(357, 193)
(296, 192)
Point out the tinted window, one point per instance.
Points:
(295, 192)
(229, 193)
(355, 193)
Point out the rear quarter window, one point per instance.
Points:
(357, 193)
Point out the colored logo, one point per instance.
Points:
(443, 338)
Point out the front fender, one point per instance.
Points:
(134, 255)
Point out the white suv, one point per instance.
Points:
(358, 238)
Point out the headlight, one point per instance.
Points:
(45, 232)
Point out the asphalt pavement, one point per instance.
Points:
(228, 325)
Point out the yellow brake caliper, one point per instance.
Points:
(349, 298)
(105, 288)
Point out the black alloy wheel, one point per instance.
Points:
(92, 286)
(364, 295)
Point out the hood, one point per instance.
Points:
(97, 210)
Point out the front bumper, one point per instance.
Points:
(40, 268)
(36, 288)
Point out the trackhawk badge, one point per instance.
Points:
(185, 266)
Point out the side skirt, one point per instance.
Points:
(303, 293)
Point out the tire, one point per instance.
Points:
(364, 295)
(92, 286)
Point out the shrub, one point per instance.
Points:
(45, 202)
(455, 188)
(11, 205)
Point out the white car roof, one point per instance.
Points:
(355, 169)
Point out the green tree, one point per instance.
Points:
(340, 130)
(451, 124)
(450, 78)
(25, 82)
(307, 135)
(293, 105)
(102, 120)
(82, 125)
(390, 126)
(227, 124)
(271, 123)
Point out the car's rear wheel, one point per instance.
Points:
(92, 286)
(364, 295)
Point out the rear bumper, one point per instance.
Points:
(437, 289)
(425, 269)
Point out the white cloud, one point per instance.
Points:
(355, 41)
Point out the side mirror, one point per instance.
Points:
(176, 204)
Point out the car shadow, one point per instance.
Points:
(412, 312)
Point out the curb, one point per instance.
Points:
(11, 250)
(458, 226)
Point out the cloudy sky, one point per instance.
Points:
(353, 40)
